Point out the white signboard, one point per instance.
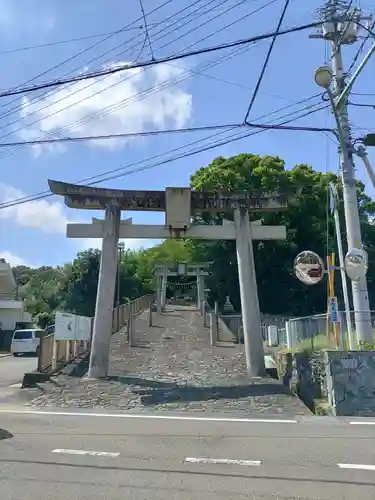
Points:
(83, 328)
(72, 327)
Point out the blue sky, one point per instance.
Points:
(203, 90)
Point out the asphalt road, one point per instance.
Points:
(13, 368)
(108, 458)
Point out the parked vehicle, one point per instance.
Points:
(25, 341)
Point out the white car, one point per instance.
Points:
(26, 341)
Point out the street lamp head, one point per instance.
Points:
(323, 76)
(369, 140)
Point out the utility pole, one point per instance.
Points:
(340, 27)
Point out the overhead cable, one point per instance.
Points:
(266, 61)
(129, 169)
(148, 63)
(33, 101)
(147, 34)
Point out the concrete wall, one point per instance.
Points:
(224, 334)
(351, 382)
(9, 318)
(7, 281)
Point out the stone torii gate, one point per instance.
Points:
(162, 271)
(180, 204)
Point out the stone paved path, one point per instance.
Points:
(172, 367)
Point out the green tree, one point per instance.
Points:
(80, 284)
(306, 219)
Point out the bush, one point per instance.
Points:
(314, 344)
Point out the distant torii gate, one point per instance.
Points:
(162, 271)
(179, 205)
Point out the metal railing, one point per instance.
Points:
(234, 323)
(313, 329)
(54, 354)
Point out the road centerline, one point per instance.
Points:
(221, 461)
(357, 466)
(86, 453)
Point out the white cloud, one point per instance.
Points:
(14, 260)
(47, 216)
(110, 105)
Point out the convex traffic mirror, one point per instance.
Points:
(309, 267)
(356, 264)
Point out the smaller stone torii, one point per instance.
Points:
(180, 205)
(162, 271)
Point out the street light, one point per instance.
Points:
(323, 76)
(369, 140)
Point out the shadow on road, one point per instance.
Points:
(4, 434)
(154, 392)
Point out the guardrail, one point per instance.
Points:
(54, 354)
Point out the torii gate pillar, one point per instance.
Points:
(102, 330)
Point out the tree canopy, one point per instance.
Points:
(72, 287)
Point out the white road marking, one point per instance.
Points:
(223, 461)
(357, 466)
(18, 385)
(362, 422)
(150, 417)
(85, 452)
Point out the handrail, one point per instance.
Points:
(54, 354)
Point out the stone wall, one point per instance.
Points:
(305, 374)
(351, 382)
(341, 383)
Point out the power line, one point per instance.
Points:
(217, 16)
(101, 177)
(81, 38)
(77, 55)
(87, 86)
(146, 28)
(124, 135)
(135, 98)
(289, 128)
(69, 40)
(360, 105)
(166, 84)
(106, 88)
(151, 133)
(119, 105)
(39, 98)
(360, 49)
(201, 149)
(145, 64)
(144, 94)
(346, 15)
(266, 61)
(114, 173)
